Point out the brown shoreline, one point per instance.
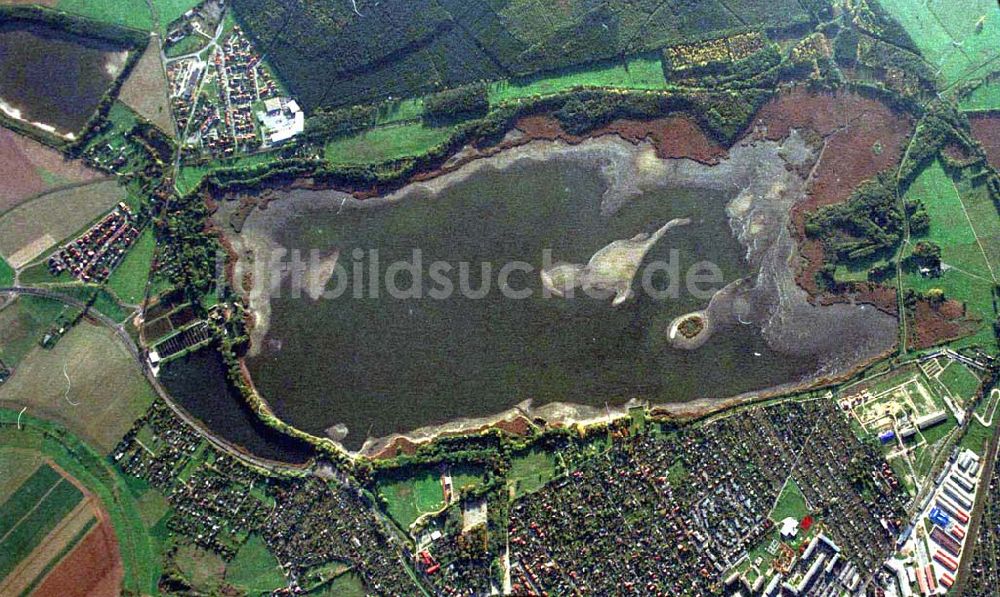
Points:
(519, 420)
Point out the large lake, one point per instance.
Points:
(52, 77)
(384, 365)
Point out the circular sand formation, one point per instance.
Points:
(690, 331)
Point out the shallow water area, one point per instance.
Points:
(383, 365)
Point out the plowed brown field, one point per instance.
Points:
(92, 569)
(986, 130)
(30, 168)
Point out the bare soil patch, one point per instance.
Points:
(92, 569)
(49, 549)
(673, 137)
(986, 130)
(931, 325)
(30, 168)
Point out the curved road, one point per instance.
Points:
(138, 356)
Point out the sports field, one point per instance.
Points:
(965, 224)
(409, 498)
(386, 143)
(88, 382)
(531, 470)
(32, 228)
(959, 38)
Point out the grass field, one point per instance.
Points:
(977, 436)
(6, 273)
(18, 465)
(636, 73)
(204, 569)
(32, 512)
(191, 176)
(924, 455)
(153, 506)
(122, 119)
(386, 143)
(168, 11)
(345, 585)
(961, 382)
(949, 35)
(531, 471)
(117, 12)
(31, 228)
(98, 298)
(128, 281)
(965, 224)
(88, 382)
(399, 134)
(791, 503)
(23, 324)
(254, 570)
(984, 98)
(38, 274)
(407, 499)
(398, 111)
(140, 552)
(147, 92)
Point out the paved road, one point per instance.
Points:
(139, 356)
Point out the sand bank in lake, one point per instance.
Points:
(611, 269)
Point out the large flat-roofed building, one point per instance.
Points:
(281, 119)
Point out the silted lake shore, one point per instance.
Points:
(358, 369)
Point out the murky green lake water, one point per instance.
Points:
(384, 365)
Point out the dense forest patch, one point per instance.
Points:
(331, 55)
